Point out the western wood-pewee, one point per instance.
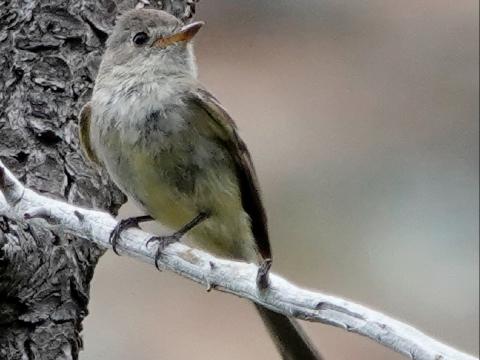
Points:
(170, 145)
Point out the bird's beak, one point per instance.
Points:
(186, 33)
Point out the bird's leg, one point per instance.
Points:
(262, 274)
(164, 241)
(124, 225)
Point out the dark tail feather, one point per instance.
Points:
(289, 338)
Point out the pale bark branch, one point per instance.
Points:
(21, 204)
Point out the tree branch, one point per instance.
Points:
(20, 204)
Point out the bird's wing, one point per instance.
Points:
(84, 129)
(224, 128)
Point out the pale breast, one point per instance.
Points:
(136, 131)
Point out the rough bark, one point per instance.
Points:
(49, 54)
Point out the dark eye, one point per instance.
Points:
(140, 38)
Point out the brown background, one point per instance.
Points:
(362, 118)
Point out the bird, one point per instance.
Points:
(170, 145)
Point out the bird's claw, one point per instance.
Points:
(163, 242)
(121, 226)
(262, 274)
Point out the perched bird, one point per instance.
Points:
(171, 147)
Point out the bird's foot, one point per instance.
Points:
(163, 242)
(123, 225)
(262, 274)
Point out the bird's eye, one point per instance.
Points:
(140, 38)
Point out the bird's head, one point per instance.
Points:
(149, 42)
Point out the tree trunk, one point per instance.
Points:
(49, 54)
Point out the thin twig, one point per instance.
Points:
(19, 203)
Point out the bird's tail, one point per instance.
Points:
(289, 338)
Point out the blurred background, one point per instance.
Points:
(362, 119)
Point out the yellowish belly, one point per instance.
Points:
(225, 233)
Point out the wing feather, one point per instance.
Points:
(225, 129)
(84, 132)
